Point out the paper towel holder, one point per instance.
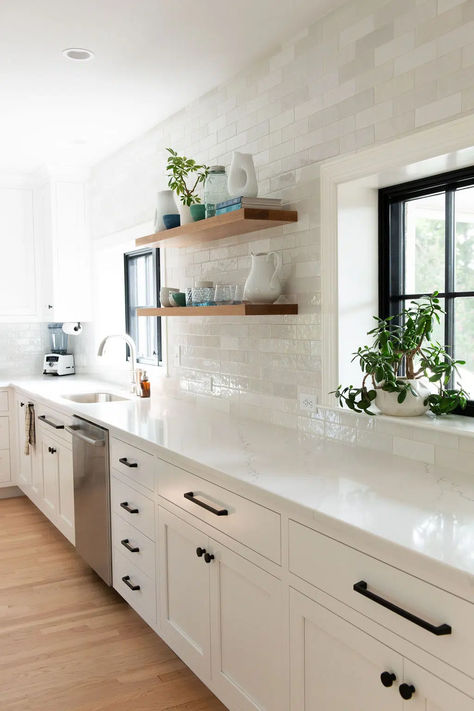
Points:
(72, 328)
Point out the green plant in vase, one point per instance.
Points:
(179, 169)
(402, 362)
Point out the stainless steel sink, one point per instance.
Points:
(94, 397)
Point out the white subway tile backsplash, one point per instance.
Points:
(415, 57)
(420, 451)
(457, 459)
(365, 73)
(438, 110)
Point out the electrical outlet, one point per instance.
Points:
(308, 402)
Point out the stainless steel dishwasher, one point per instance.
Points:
(90, 448)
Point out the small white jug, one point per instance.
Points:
(263, 285)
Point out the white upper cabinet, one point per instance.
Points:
(19, 262)
(45, 245)
(60, 207)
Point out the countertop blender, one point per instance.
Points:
(58, 361)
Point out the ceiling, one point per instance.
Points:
(152, 57)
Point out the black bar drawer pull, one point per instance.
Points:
(125, 506)
(126, 580)
(361, 588)
(132, 465)
(218, 512)
(43, 418)
(126, 544)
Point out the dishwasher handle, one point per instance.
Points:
(75, 430)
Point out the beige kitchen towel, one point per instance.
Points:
(30, 432)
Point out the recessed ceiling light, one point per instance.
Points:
(76, 54)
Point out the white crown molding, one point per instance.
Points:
(444, 147)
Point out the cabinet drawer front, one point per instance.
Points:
(133, 545)
(143, 599)
(5, 465)
(133, 462)
(133, 507)
(335, 568)
(4, 401)
(247, 522)
(4, 433)
(54, 423)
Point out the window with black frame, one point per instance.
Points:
(426, 244)
(142, 288)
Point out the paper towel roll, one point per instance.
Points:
(72, 328)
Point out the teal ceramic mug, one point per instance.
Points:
(178, 299)
(198, 211)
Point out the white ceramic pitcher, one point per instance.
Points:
(263, 285)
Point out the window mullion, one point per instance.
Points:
(450, 267)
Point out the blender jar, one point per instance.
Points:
(58, 338)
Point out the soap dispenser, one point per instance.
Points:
(144, 385)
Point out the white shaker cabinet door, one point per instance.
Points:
(247, 627)
(19, 262)
(57, 501)
(71, 253)
(50, 477)
(184, 591)
(334, 666)
(24, 461)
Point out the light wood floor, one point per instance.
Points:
(68, 642)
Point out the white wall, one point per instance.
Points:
(367, 73)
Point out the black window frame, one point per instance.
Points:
(392, 245)
(156, 357)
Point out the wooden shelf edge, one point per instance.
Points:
(230, 310)
(228, 225)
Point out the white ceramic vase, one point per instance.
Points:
(165, 205)
(184, 214)
(263, 285)
(412, 406)
(242, 179)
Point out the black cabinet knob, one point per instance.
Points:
(406, 691)
(208, 557)
(200, 552)
(53, 451)
(387, 678)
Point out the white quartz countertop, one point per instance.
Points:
(420, 509)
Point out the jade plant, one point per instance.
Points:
(403, 350)
(179, 168)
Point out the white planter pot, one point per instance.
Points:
(411, 407)
(165, 205)
(242, 181)
(185, 214)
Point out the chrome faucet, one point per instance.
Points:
(133, 357)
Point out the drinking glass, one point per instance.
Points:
(237, 294)
(223, 294)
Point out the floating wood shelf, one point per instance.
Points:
(228, 225)
(226, 310)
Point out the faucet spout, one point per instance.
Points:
(133, 356)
